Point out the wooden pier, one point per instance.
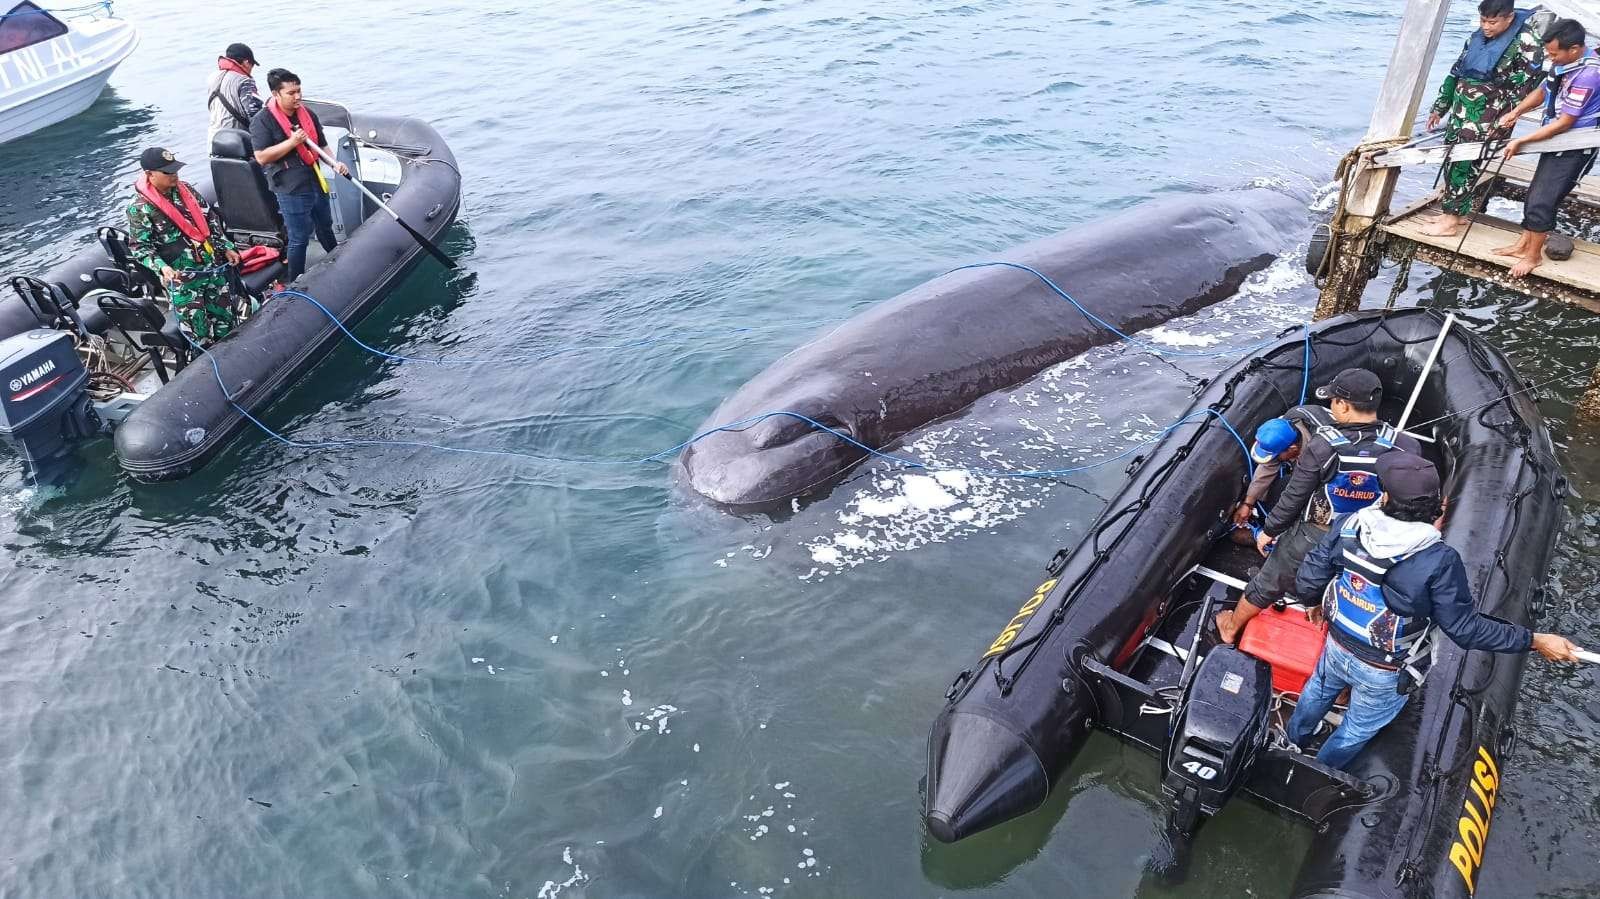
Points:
(1364, 229)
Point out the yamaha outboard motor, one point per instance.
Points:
(1217, 732)
(44, 400)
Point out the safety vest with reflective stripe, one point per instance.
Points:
(1359, 609)
(1353, 484)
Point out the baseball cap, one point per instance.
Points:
(1407, 476)
(240, 53)
(1353, 384)
(1273, 437)
(159, 159)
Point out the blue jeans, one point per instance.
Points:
(304, 212)
(1373, 704)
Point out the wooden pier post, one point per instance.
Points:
(1371, 189)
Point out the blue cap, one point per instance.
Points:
(1272, 438)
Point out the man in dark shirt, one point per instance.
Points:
(1385, 580)
(278, 133)
(1333, 476)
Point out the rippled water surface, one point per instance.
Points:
(402, 672)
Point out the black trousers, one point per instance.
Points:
(1556, 176)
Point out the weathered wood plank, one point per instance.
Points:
(1576, 280)
(1571, 140)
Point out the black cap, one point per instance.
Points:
(159, 159)
(1406, 476)
(1353, 384)
(240, 53)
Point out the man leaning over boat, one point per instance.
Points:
(1385, 581)
(175, 234)
(1278, 444)
(1333, 476)
(1500, 59)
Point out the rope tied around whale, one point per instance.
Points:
(740, 425)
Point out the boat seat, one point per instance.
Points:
(247, 203)
(144, 282)
(49, 306)
(155, 332)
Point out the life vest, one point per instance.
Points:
(222, 102)
(1555, 78)
(309, 126)
(1482, 56)
(191, 220)
(1357, 604)
(1353, 484)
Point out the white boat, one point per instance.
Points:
(55, 63)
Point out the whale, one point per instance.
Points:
(934, 350)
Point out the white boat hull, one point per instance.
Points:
(57, 79)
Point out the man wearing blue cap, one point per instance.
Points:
(1277, 443)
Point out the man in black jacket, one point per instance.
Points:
(1386, 582)
(1333, 476)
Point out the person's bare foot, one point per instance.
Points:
(1226, 628)
(1525, 266)
(1513, 250)
(1445, 226)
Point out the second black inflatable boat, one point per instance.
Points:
(92, 346)
(1117, 635)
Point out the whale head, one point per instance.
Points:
(765, 457)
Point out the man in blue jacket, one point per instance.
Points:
(1394, 582)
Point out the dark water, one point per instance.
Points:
(396, 673)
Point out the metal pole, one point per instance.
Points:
(1422, 379)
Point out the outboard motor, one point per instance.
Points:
(1217, 732)
(44, 400)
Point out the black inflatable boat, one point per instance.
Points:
(1116, 637)
(92, 345)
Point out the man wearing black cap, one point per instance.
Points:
(1386, 582)
(172, 232)
(1333, 476)
(231, 97)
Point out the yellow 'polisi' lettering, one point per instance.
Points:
(1014, 626)
(1472, 828)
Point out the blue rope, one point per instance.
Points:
(1305, 371)
(1105, 324)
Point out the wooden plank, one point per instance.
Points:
(1576, 280)
(1576, 139)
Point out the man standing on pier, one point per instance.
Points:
(1570, 95)
(1499, 61)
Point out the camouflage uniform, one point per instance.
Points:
(203, 302)
(1470, 108)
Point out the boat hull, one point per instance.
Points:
(83, 61)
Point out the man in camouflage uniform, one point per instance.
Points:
(1493, 72)
(173, 232)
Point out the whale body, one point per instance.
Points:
(937, 348)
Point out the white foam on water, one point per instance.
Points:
(552, 889)
(1165, 335)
